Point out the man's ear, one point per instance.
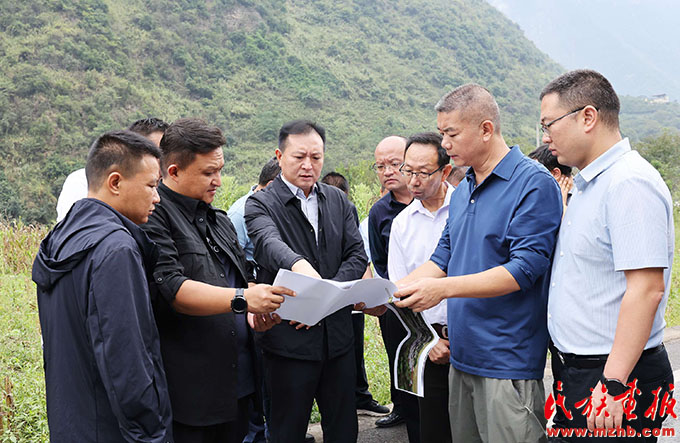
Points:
(556, 173)
(446, 171)
(487, 129)
(590, 117)
(278, 154)
(113, 182)
(172, 172)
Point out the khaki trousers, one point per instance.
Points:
(490, 410)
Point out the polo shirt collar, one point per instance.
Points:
(504, 168)
(602, 163)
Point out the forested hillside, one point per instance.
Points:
(72, 69)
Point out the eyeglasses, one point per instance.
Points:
(546, 127)
(421, 175)
(380, 168)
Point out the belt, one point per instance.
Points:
(441, 330)
(591, 361)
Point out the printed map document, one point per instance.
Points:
(317, 299)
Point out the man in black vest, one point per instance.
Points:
(308, 227)
(199, 297)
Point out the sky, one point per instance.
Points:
(634, 43)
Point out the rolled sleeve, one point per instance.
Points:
(532, 232)
(168, 274)
(442, 254)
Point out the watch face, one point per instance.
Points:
(239, 305)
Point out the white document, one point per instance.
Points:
(316, 299)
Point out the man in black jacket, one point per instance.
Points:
(307, 227)
(103, 368)
(199, 297)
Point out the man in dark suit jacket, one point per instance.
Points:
(307, 227)
(199, 298)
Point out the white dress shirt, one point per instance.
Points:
(413, 238)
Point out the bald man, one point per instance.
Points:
(491, 264)
(389, 156)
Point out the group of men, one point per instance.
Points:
(158, 326)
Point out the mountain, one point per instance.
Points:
(73, 69)
(629, 41)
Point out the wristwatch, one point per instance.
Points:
(614, 387)
(239, 304)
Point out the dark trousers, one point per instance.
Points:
(406, 405)
(294, 384)
(434, 407)
(652, 371)
(363, 395)
(230, 432)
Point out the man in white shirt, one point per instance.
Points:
(414, 236)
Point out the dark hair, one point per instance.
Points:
(119, 150)
(584, 87)
(336, 179)
(300, 127)
(269, 171)
(148, 126)
(187, 137)
(433, 139)
(475, 103)
(543, 155)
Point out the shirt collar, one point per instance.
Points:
(504, 168)
(188, 206)
(297, 191)
(417, 205)
(601, 163)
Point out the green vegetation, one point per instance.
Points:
(72, 69)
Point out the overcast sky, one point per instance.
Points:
(634, 43)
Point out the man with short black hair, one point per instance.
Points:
(616, 242)
(560, 172)
(491, 263)
(308, 227)
(75, 185)
(103, 370)
(413, 237)
(200, 297)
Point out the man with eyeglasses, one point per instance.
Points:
(414, 236)
(389, 155)
(490, 263)
(611, 272)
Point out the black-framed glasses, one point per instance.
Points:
(421, 175)
(546, 127)
(380, 168)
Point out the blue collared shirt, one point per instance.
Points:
(621, 218)
(236, 215)
(510, 220)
